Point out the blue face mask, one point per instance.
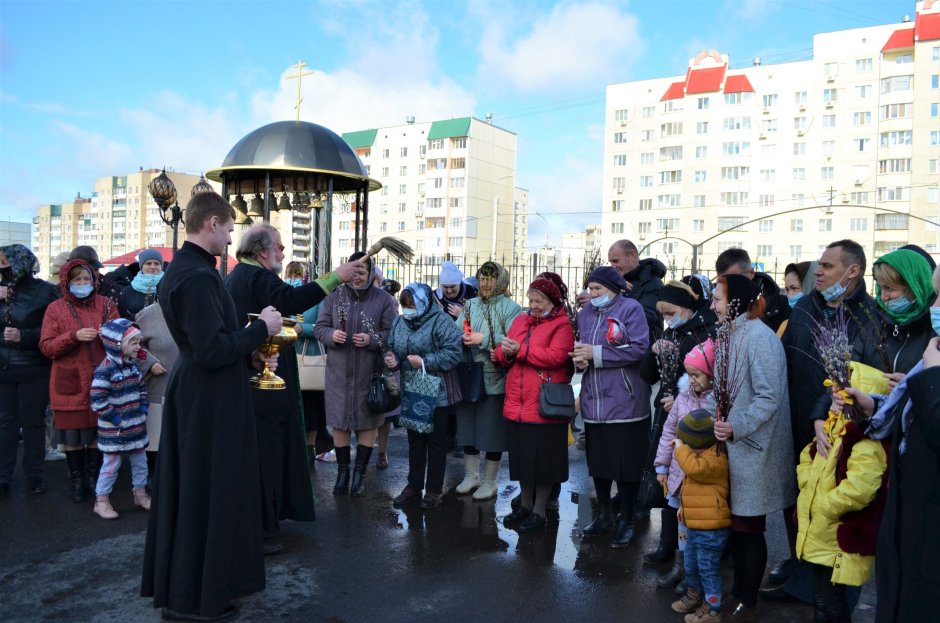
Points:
(935, 319)
(409, 313)
(600, 301)
(675, 322)
(794, 299)
(81, 292)
(834, 291)
(295, 282)
(899, 305)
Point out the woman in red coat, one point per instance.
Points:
(70, 338)
(536, 351)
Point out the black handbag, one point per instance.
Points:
(384, 392)
(470, 377)
(556, 400)
(650, 493)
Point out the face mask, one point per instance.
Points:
(409, 313)
(899, 305)
(834, 291)
(81, 292)
(676, 321)
(295, 283)
(794, 299)
(935, 319)
(600, 301)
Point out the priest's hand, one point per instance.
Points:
(347, 271)
(272, 319)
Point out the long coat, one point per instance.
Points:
(544, 344)
(73, 362)
(349, 368)
(285, 475)
(761, 479)
(156, 338)
(204, 537)
(492, 318)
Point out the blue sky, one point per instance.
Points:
(89, 89)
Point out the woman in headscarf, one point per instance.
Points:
(425, 340)
(799, 280)
(24, 371)
(70, 337)
(536, 352)
(614, 337)
(756, 431)
(142, 290)
(484, 323)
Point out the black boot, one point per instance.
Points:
(675, 575)
(357, 486)
(623, 531)
(602, 521)
(668, 538)
(342, 471)
(76, 463)
(93, 460)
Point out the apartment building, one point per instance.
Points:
(448, 189)
(781, 159)
(119, 217)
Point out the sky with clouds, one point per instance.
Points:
(89, 89)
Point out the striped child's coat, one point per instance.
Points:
(118, 395)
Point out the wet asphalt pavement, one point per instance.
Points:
(362, 560)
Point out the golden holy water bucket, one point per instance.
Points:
(265, 379)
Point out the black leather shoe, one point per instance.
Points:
(532, 523)
(272, 546)
(602, 522)
(516, 502)
(623, 532)
(230, 613)
(777, 594)
(781, 571)
(4, 490)
(35, 485)
(516, 516)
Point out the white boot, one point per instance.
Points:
(487, 488)
(471, 478)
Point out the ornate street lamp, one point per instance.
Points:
(163, 192)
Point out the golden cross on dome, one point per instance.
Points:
(299, 75)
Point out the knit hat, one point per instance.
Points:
(129, 332)
(556, 278)
(697, 429)
(450, 274)
(702, 356)
(681, 294)
(146, 255)
(608, 277)
(741, 292)
(84, 252)
(923, 254)
(548, 288)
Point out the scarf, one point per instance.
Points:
(492, 269)
(146, 283)
(915, 271)
(883, 424)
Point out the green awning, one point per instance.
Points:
(360, 139)
(449, 128)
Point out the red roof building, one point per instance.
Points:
(165, 252)
(899, 40)
(738, 84)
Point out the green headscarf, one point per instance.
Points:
(915, 271)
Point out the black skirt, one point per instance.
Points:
(617, 451)
(538, 453)
(314, 411)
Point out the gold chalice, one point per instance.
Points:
(272, 346)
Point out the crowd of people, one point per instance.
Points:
(151, 363)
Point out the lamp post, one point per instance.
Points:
(163, 192)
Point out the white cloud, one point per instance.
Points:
(568, 198)
(574, 45)
(94, 150)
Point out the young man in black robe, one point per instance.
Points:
(286, 492)
(204, 539)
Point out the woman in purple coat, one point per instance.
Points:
(615, 401)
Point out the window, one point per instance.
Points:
(768, 176)
(384, 171)
(768, 125)
(858, 224)
(616, 205)
(698, 225)
(861, 118)
(646, 136)
(701, 152)
(702, 103)
(458, 163)
(828, 147)
(825, 224)
(735, 149)
(698, 201)
(621, 114)
(737, 123)
(670, 153)
(701, 127)
(765, 250)
(935, 53)
(894, 193)
(768, 150)
(891, 221)
(455, 241)
(616, 228)
(669, 248)
(646, 181)
(765, 226)
(403, 152)
(670, 177)
(457, 182)
(724, 246)
(645, 227)
(796, 251)
(668, 201)
(934, 137)
(437, 182)
(932, 165)
(861, 144)
(456, 202)
(932, 194)
(827, 173)
(799, 98)
(799, 123)
(383, 226)
(620, 138)
(829, 121)
(766, 201)
(863, 65)
(799, 149)
(903, 59)
(436, 202)
(830, 95)
(437, 164)
(733, 99)
(401, 225)
(883, 247)
(700, 177)
(934, 109)
(646, 205)
(734, 173)
(385, 153)
(662, 224)
(422, 169)
(648, 112)
(670, 129)
(734, 198)
(797, 200)
(859, 198)
(796, 225)
(620, 160)
(730, 222)
(896, 111)
(799, 174)
(897, 83)
(619, 183)
(899, 137)
(437, 143)
(646, 158)
(402, 171)
(831, 69)
(770, 100)
(895, 165)
(863, 91)
(422, 150)
(672, 105)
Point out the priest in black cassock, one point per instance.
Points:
(286, 492)
(204, 538)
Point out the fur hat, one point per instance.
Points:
(697, 429)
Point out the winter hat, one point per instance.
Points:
(697, 429)
(556, 278)
(547, 287)
(609, 277)
(681, 294)
(450, 274)
(922, 253)
(129, 332)
(146, 255)
(741, 292)
(84, 252)
(702, 287)
(702, 356)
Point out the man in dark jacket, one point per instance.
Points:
(253, 285)
(644, 281)
(736, 261)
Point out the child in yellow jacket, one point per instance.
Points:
(706, 513)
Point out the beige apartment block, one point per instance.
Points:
(781, 159)
(119, 217)
(448, 189)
